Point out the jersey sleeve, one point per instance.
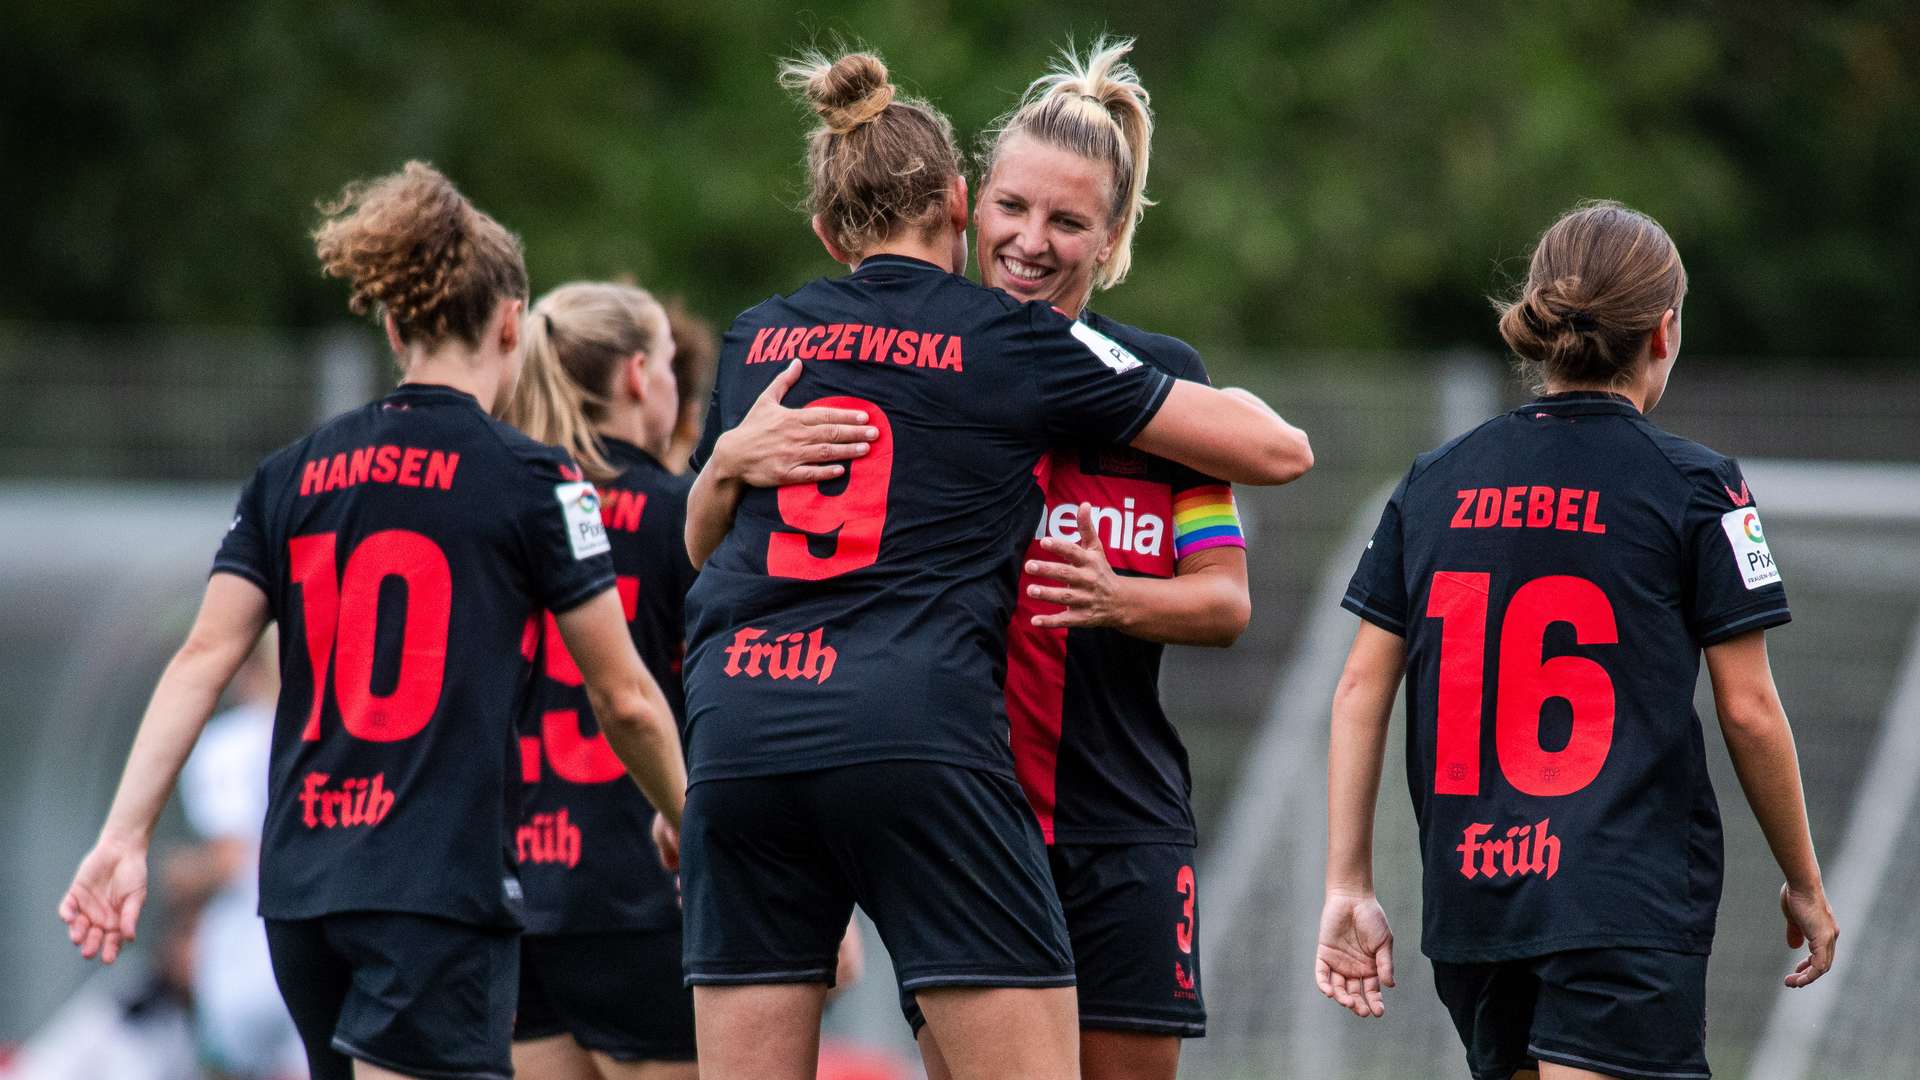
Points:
(1089, 386)
(1378, 590)
(1733, 583)
(1204, 514)
(565, 540)
(247, 550)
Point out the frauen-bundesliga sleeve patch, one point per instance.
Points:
(1111, 353)
(1204, 517)
(1750, 553)
(580, 505)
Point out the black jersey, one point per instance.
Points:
(865, 619)
(1093, 747)
(585, 844)
(1555, 573)
(403, 548)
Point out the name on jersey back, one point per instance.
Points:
(858, 342)
(410, 466)
(1529, 506)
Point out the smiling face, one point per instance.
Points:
(1044, 223)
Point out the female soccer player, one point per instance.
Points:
(1548, 581)
(601, 992)
(846, 730)
(1148, 552)
(600, 986)
(402, 547)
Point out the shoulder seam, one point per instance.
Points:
(1447, 448)
(1678, 520)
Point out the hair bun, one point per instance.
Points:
(850, 92)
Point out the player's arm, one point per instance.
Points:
(1230, 434)
(1355, 955)
(1760, 741)
(772, 446)
(102, 906)
(1206, 603)
(633, 713)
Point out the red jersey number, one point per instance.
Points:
(853, 519)
(1183, 930)
(577, 757)
(341, 614)
(1524, 683)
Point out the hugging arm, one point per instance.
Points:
(772, 446)
(1230, 434)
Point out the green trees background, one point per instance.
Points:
(1330, 175)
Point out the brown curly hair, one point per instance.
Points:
(413, 247)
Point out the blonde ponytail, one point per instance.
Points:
(1098, 109)
(574, 341)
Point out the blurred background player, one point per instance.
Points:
(404, 547)
(240, 1023)
(1134, 552)
(846, 727)
(696, 348)
(137, 1024)
(601, 993)
(1548, 581)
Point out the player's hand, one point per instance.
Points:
(1082, 582)
(666, 839)
(775, 446)
(102, 906)
(1809, 923)
(1355, 956)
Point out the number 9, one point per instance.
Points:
(854, 519)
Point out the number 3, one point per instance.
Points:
(854, 519)
(1526, 682)
(1183, 930)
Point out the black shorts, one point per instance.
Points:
(617, 992)
(1134, 921)
(945, 860)
(1622, 1012)
(414, 994)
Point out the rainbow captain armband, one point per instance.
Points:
(1204, 517)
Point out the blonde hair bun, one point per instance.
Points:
(879, 160)
(848, 92)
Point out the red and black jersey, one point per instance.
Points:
(584, 843)
(1555, 573)
(403, 548)
(865, 619)
(1093, 747)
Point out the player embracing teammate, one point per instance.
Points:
(1548, 583)
(1133, 552)
(846, 732)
